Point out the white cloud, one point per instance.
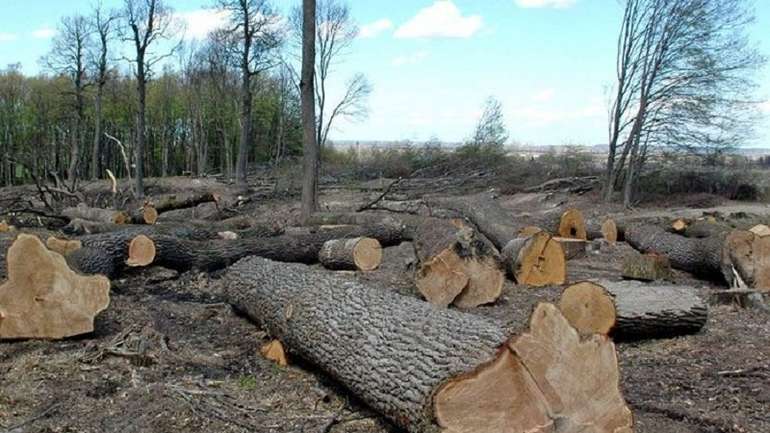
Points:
(375, 28)
(43, 33)
(765, 107)
(440, 20)
(410, 59)
(557, 4)
(200, 22)
(8, 37)
(544, 95)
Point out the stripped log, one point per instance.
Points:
(182, 255)
(633, 310)
(535, 260)
(429, 369)
(356, 254)
(457, 265)
(606, 229)
(85, 212)
(646, 267)
(44, 298)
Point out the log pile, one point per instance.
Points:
(465, 373)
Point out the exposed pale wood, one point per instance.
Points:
(606, 229)
(82, 211)
(363, 254)
(63, 246)
(679, 225)
(572, 225)
(760, 230)
(646, 267)
(141, 251)
(44, 298)
(4, 227)
(429, 369)
(631, 309)
(536, 260)
(273, 351)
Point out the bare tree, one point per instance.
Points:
(103, 24)
(148, 23)
(335, 33)
(254, 37)
(68, 57)
(685, 76)
(311, 154)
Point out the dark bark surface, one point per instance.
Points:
(391, 351)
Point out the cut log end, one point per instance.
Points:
(538, 383)
(610, 230)
(572, 225)
(588, 308)
(760, 230)
(485, 282)
(44, 298)
(440, 280)
(141, 251)
(536, 261)
(273, 351)
(149, 214)
(679, 225)
(361, 253)
(121, 217)
(367, 254)
(63, 246)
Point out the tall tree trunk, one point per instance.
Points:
(244, 144)
(96, 150)
(310, 143)
(141, 87)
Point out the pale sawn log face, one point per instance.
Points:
(353, 254)
(43, 298)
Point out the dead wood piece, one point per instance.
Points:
(5, 227)
(431, 369)
(646, 267)
(141, 251)
(171, 202)
(704, 228)
(748, 299)
(607, 229)
(633, 310)
(63, 246)
(356, 254)
(760, 230)
(573, 248)
(44, 298)
(536, 260)
(457, 265)
(82, 211)
(147, 214)
(273, 351)
(679, 225)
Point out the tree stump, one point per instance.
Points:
(44, 298)
(632, 310)
(537, 260)
(432, 369)
(646, 267)
(356, 254)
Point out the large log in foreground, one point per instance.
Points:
(181, 254)
(44, 298)
(429, 369)
(633, 310)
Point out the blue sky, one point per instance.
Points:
(432, 63)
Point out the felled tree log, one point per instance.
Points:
(679, 225)
(606, 229)
(193, 230)
(535, 260)
(95, 214)
(44, 298)
(356, 254)
(171, 202)
(428, 369)
(63, 246)
(633, 310)
(646, 267)
(457, 265)
(741, 298)
(573, 248)
(180, 254)
(705, 228)
(147, 214)
(566, 224)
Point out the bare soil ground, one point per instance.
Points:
(170, 356)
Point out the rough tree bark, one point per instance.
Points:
(633, 310)
(353, 254)
(429, 369)
(310, 158)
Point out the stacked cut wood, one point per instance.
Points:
(458, 265)
(43, 297)
(737, 257)
(631, 309)
(428, 369)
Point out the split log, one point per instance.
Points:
(646, 267)
(44, 298)
(429, 369)
(356, 254)
(633, 310)
(96, 214)
(573, 248)
(457, 265)
(760, 230)
(182, 255)
(535, 260)
(607, 229)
